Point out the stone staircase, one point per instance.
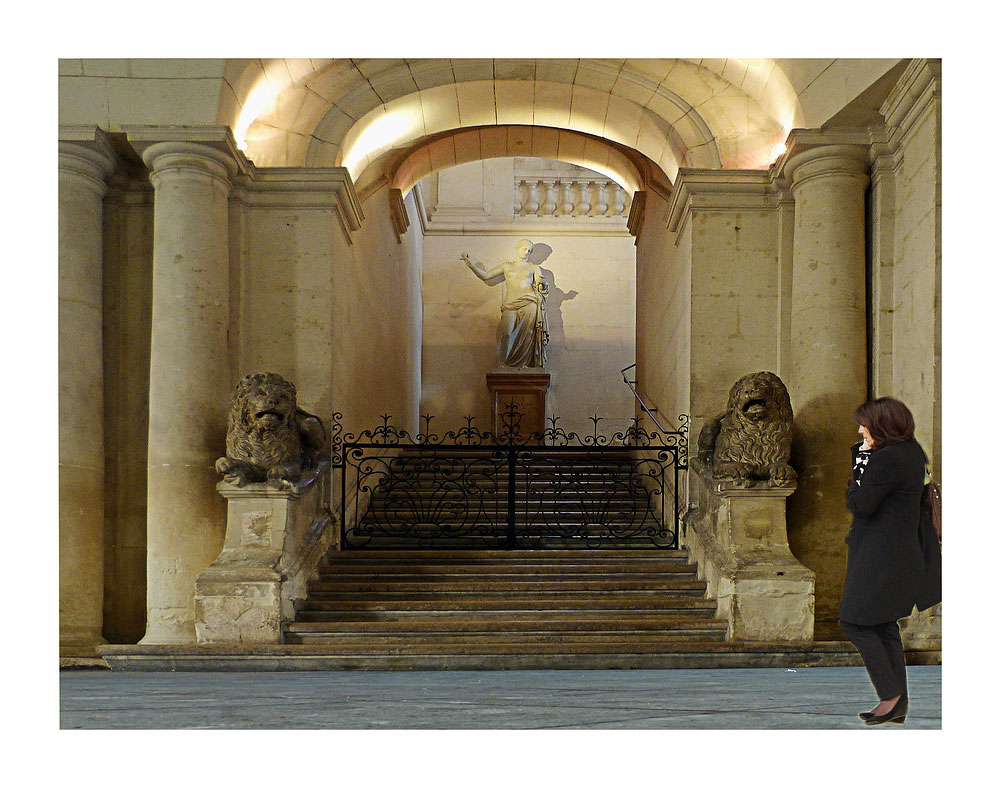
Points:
(622, 602)
(586, 582)
(551, 607)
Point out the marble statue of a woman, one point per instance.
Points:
(524, 330)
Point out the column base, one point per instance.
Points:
(80, 645)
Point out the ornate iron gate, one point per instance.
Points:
(474, 489)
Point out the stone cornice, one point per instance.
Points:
(304, 187)
(636, 214)
(301, 187)
(802, 145)
(718, 190)
(397, 213)
(218, 138)
(909, 98)
(87, 152)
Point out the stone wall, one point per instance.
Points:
(341, 320)
(128, 259)
(734, 302)
(907, 295)
(916, 291)
(663, 315)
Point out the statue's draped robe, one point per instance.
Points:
(524, 329)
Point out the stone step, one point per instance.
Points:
(625, 598)
(567, 623)
(541, 580)
(342, 567)
(622, 604)
(481, 585)
(492, 643)
(513, 556)
(496, 539)
(302, 657)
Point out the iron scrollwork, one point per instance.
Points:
(470, 487)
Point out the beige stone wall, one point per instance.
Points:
(340, 320)
(906, 277)
(128, 260)
(734, 303)
(663, 315)
(591, 313)
(916, 304)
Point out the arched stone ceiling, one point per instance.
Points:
(463, 145)
(711, 113)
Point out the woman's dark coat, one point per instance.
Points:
(885, 549)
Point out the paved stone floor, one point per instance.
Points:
(753, 698)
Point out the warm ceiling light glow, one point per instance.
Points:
(617, 176)
(379, 134)
(261, 98)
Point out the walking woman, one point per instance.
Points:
(890, 566)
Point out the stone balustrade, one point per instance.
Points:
(557, 197)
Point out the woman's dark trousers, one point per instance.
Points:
(881, 648)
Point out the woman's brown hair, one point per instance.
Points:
(887, 419)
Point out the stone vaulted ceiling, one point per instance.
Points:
(405, 118)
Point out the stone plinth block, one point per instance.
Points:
(526, 390)
(275, 540)
(739, 539)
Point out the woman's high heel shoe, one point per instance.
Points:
(897, 714)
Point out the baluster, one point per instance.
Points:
(549, 207)
(567, 199)
(518, 203)
(618, 200)
(601, 206)
(583, 206)
(531, 208)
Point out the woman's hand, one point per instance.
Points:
(867, 441)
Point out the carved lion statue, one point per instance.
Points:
(269, 437)
(752, 440)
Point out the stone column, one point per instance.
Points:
(83, 166)
(827, 375)
(189, 385)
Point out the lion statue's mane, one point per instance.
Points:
(751, 441)
(269, 438)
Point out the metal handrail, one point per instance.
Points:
(645, 409)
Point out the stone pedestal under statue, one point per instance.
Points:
(275, 539)
(525, 389)
(737, 534)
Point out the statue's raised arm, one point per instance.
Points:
(492, 277)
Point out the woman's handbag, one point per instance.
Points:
(932, 501)
(930, 542)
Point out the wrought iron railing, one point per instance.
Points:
(473, 488)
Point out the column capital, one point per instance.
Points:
(191, 146)
(814, 152)
(86, 155)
